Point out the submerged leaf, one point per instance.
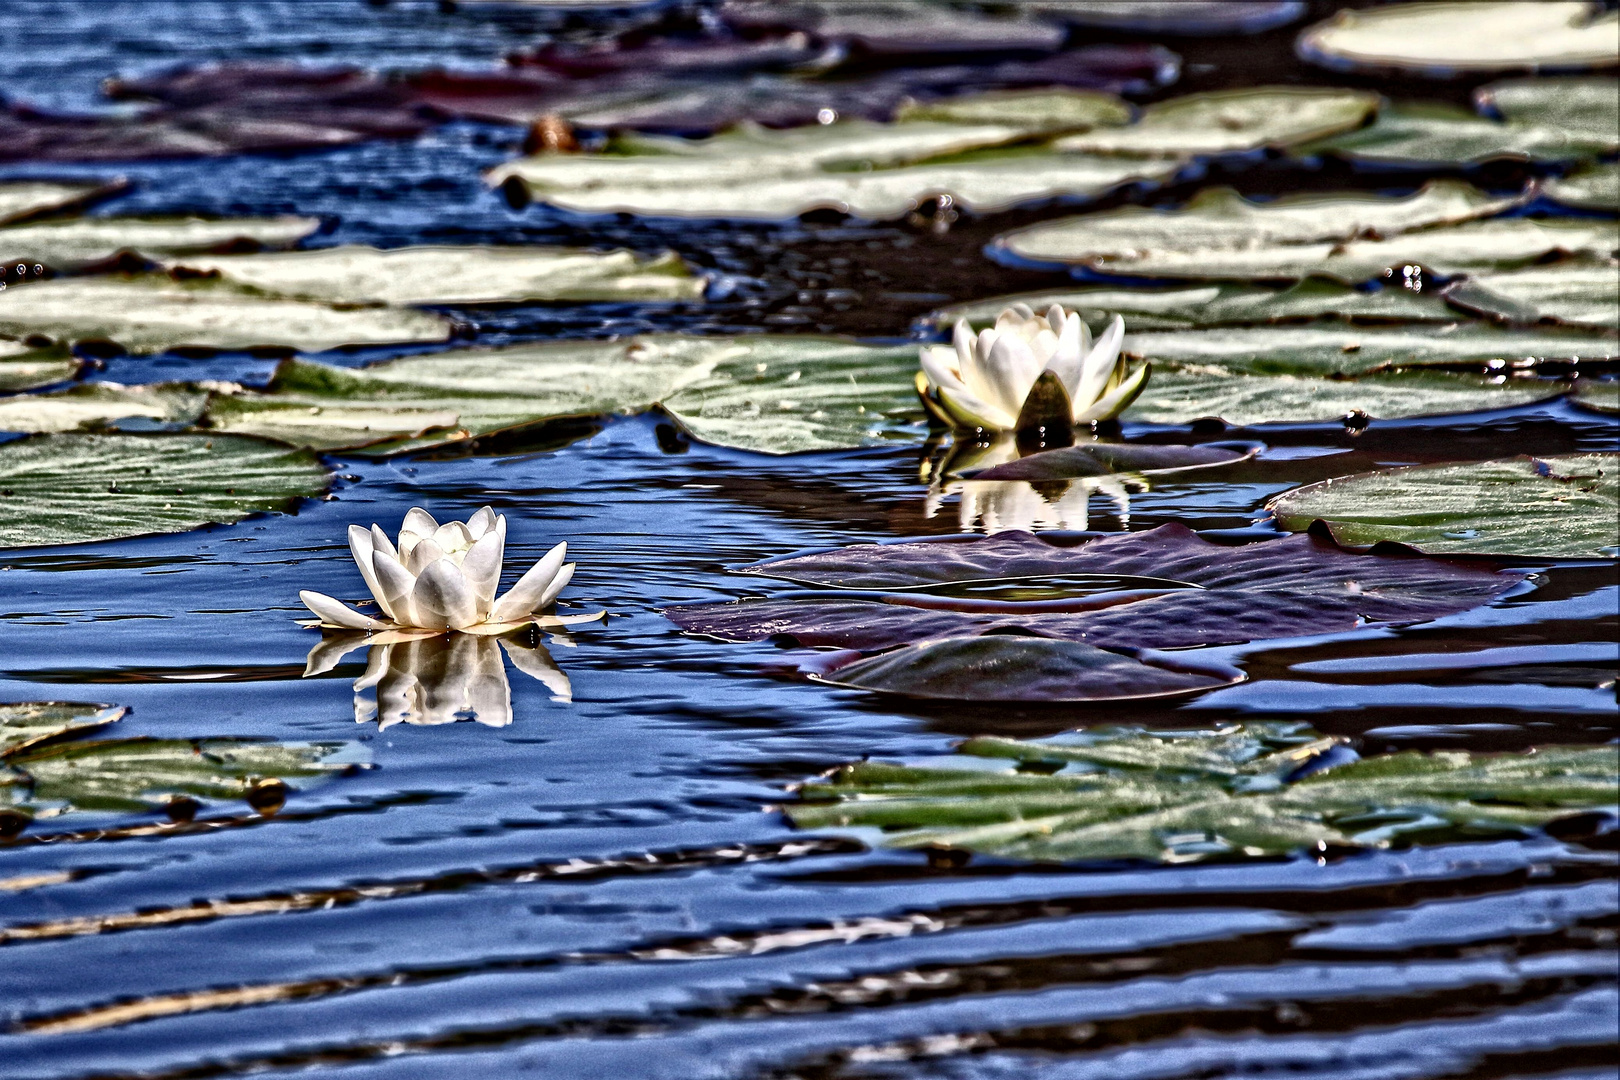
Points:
(1441, 39)
(455, 275)
(1557, 507)
(1190, 796)
(152, 313)
(1230, 121)
(24, 723)
(75, 242)
(74, 489)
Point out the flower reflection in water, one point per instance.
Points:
(425, 678)
(993, 506)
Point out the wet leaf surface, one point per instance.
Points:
(1248, 790)
(1595, 188)
(90, 406)
(24, 199)
(1558, 507)
(1581, 294)
(25, 368)
(1426, 38)
(24, 723)
(73, 489)
(73, 243)
(1210, 594)
(1230, 122)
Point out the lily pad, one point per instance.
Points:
(1556, 507)
(91, 406)
(1594, 188)
(1439, 39)
(1045, 111)
(1602, 395)
(1103, 459)
(24, 723)
(869, 170)
(77, 242)
(1178, 17)
(1220, 304)
(1180, 396)
(772, 393)
(74, 489)
(1457, 249)
(894, 29)
(1247, 790)
(1353, 350)
(455, 275)
(1218, 222)
(26, 368)
(24, 199)
(153, 313)
(1230, 121)
(1581, 294)
(1194, 592)
(1001, 667)
(1428, 134)
(146, 774)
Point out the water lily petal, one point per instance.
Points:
(453, 538)
(538, 664)
(564, 575)
(1118, 399)
(397, 585)
(423, 554)
(488, 695)
(1099, 365)
(361, 545)
(481, 522)
(336, 613)
(970, 412)
(481, 567)
(962, 341)
(442, 597)
(1011, 369)
(1055, 319)
(939, 365)
(524, 596)
(380, 542)
(1066, 358)
(418, 526)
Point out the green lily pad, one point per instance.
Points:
(1602, 395)
(1581, 294)
(1230, 121)
(144, 774)
(24, 368)
(1476, 245)
(76, 242)
(1594, 188)
(1248, 790)
(869, 170)
(23, 199)
(153, 313)
(1181, 396)
(1352, 350)
(773, 393)
(24, 723)
(1047, 111)
(1440, 39)
(1220, 304)
(454, 275)
(1556, 507)
(74, 489)
(1218, 222)
(88, 406)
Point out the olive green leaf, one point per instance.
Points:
(1247, 790)
(1602, 395)
(25, 723)
(24, 199)
(1047, 111)
(1556, 507)
(23, 367)
(1230, 121)
(71, 243)
(1578, 293)
(77, 488)
(1594, 188)
(92, 406)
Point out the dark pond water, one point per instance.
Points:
(601, 889)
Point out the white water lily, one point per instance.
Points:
(444, 577)
(984, 381)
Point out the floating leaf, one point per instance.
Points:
(1582, 294)
(1046, 111)
(1602, 395)
(1556, 507)
(455, 275)
(868, 170)
(1187, 306)
(1194, 593)
(1001, 667)
(25, 368)
(96, 405)
(1180, 396)
(23, 199)
(1193, 18)
(24, 723)
(145, 774)
(1439, 39)
(73, 489)
(1101, 459)
(1219, 222)
(1594, 188)
(1428, 134)
(894, 29)
(1230, 121)
(1351, 350)
(76, 242)
(153, 313)
(1252, 789)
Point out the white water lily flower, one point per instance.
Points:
(984, 381)
(444, 577)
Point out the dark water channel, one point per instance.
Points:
(602, 889)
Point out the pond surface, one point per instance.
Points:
(602, 888)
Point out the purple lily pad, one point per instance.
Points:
(1184, 17)
(1101, 459)
(1288, 587)
(1016, 668)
